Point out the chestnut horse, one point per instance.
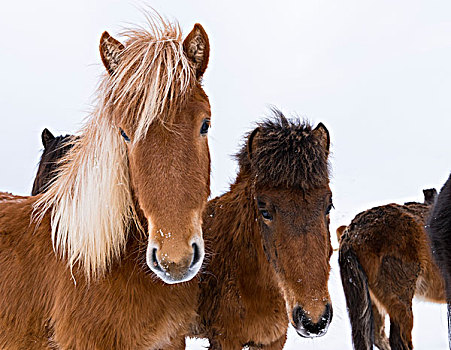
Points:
(439, 230)
(385, 261)
(55, 148)
(125, 207)
(268, 242)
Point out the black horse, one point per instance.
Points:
(439, 231)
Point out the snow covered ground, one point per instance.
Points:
(377, 73)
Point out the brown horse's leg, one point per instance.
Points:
(380, 339)
(395, 288)
(399, 340)
(401, 324)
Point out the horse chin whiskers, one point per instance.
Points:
(168, 279)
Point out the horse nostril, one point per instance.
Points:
(298, 316)
(154, 259)
(327, 316)
(304, 325)
(329, 311)
(196, 255)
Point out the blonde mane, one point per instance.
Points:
(90, 201)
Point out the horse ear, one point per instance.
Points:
(46, 137)
(197, 49)
(323, 134)
(110, 52)
(429, 195)
(340, 231)
(251, 142)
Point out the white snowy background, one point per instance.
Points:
(376, 73)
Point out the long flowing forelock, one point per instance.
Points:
(90, 201)
(288, 154)
(153, 78)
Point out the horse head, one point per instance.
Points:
(288, 163)
(142, 160)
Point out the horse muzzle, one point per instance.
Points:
(173, 271)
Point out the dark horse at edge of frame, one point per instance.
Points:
(439, 230)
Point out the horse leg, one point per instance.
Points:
(380, 339)
(394, 288)
(401, 324)
(399, 340)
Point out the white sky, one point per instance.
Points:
(376, 73)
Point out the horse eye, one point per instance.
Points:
(266, 215)
(124, 135)
(205, 126)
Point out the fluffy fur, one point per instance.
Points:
(286, 153)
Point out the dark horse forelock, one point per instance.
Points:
(288, 154)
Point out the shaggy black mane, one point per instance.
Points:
(285, 153)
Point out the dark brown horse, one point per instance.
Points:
(385, 261)
(268, 242)
(125, 207)
(439, 230)
(55, 148)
